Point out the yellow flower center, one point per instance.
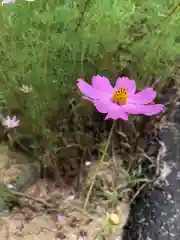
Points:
(120, 96)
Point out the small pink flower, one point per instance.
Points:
(11, 122)
(8, 1)
(59, 218)
(121, 100)
(11, 186)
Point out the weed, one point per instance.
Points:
(47, 45)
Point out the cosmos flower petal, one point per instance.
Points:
(116, 112)
(113, 110)
(88, 90)
(16, 123)
(150, 110)
(13, 118)
(102, 83)
(131, 108)
(8, 119)
(144, 97)
(124, 82)
(117, 115)
(102, 107)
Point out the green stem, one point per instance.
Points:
(86, 5)
(99, 166)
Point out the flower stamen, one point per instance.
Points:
(120, 96)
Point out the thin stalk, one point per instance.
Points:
(99, 166)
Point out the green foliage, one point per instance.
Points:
(6, 198)
(49, 44)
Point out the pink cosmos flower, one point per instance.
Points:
(11, 122)
(120, 100)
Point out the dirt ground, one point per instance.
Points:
(14, 227)
(24, 223)
(39, 207)
(40, 227)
